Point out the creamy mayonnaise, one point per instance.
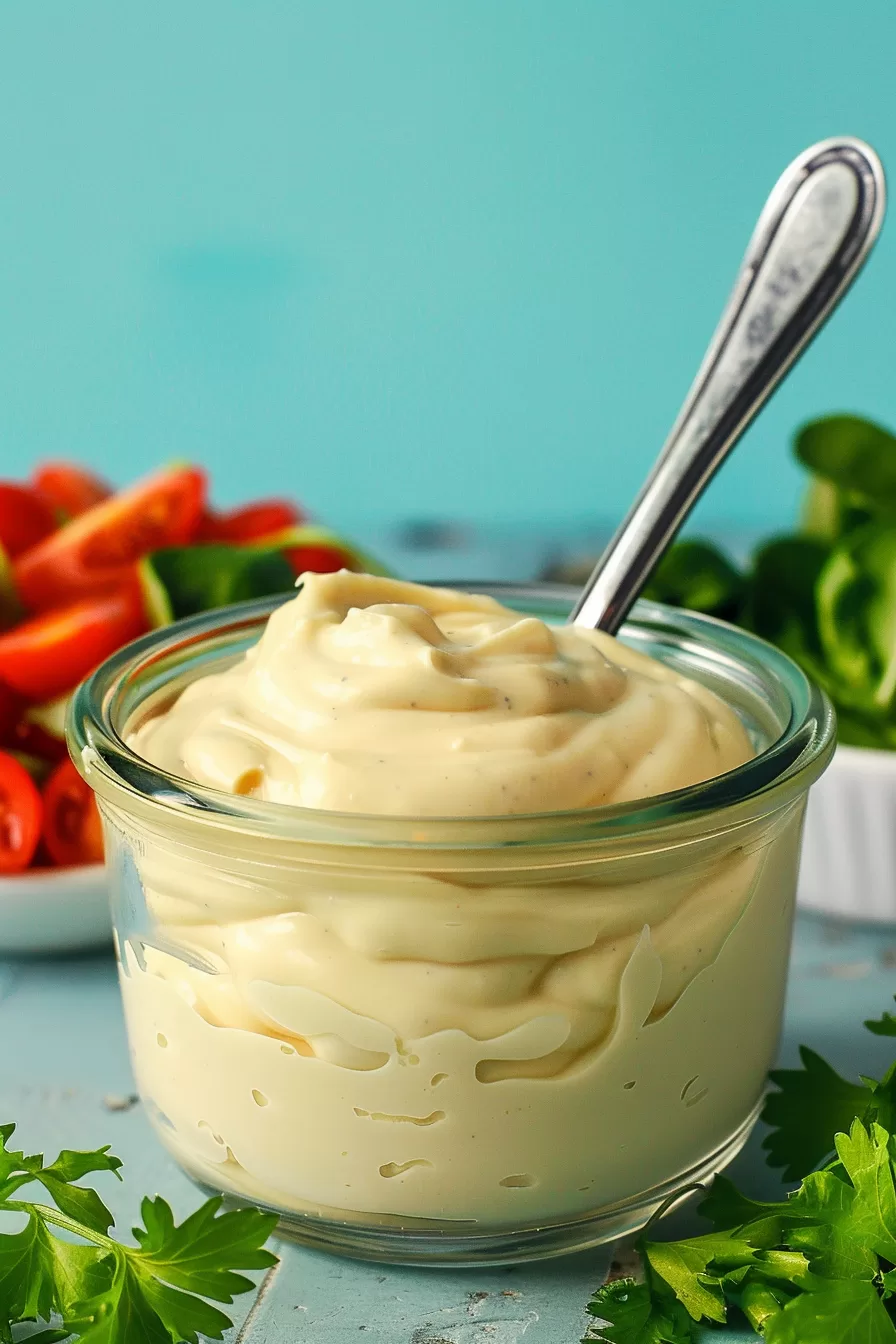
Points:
(369, 695)
(494, 1035)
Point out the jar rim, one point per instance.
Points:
(794, 758)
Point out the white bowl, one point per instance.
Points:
(60, 910)
(848, 865)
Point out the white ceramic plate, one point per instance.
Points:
(65, 910)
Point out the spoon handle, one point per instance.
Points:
(817, 227)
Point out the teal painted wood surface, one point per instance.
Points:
(64, 1068)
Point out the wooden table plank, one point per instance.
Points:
(317, 1297)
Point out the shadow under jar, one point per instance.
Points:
(465, 1040)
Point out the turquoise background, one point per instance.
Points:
(406, 258)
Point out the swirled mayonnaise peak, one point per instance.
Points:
(376, 696)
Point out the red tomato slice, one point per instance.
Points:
(25, 518)
(250, 523)
(49, 654)
(72, 830)
(97, 550)
(319, 559)
(20, 815)
(69, 489)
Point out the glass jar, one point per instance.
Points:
(463, 1040)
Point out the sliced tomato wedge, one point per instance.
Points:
(34, 731)
(318, 559)
(25, 518)
(21, 812)
(253, 522)
(97, 550)
(69, 489)
(50, 653)
(72, 830)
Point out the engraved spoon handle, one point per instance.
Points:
(816, 230)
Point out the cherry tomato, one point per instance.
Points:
(253, 522)
(319, 559)
(69, 489)
(50, 653)
(33, 740)
(12, 706)
(20, 815)
(72, 830)
(25, 518)
(96, 550)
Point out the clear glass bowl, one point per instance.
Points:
(298, 985)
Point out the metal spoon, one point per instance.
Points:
(815, 232)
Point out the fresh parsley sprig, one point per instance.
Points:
(815, 1268)
(103, 1292)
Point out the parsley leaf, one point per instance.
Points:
(189, 1256)
(812, 1104)
(816, 1267)
(831, 1239)
(866, 1158)
(684, 1266)
(848, 1312)
(105, 1292)
(27, 1271)
(729, 1210)
(640, 1316)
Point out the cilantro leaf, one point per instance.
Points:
(812, 1104)
(630, 1313)
(847, 1312)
